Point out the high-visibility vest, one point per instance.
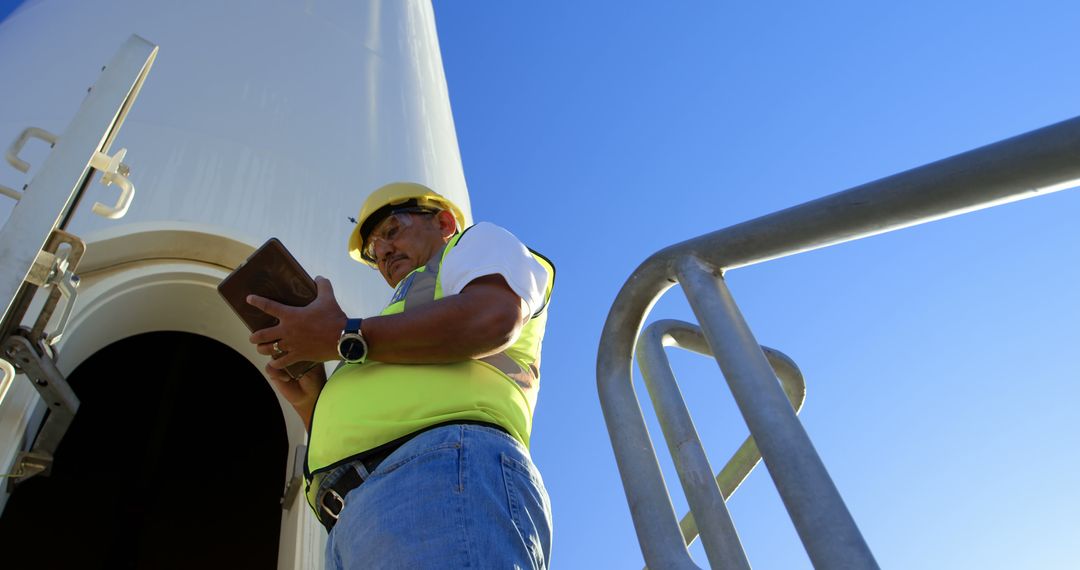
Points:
(364, 406)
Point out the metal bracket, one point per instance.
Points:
(61, 278)
(54, 268)
(57, 394)
(28, 350)
(114, 171)
(292, 488)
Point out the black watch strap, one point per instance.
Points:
(352, 326)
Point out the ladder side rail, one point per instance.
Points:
(1031, 164)
(31, 240)
(49, 198)
(661, 544)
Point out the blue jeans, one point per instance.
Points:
(458, 496)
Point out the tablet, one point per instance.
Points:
(270, 272)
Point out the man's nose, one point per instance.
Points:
(383, 248)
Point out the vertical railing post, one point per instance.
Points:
(655, 521)
(824, 525)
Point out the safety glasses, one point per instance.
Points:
(391, 228)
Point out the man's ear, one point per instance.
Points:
(447, 223)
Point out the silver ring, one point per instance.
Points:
(277, 348)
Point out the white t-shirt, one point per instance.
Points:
(487, 249)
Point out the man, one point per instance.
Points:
(417, 454)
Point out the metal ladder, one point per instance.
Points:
(1032, 164)
(36, 253)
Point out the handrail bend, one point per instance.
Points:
(1028, 165)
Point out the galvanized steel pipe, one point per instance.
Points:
(681, 436)
(826, 527)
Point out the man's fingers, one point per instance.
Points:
(272, 308)
(282, 361)
(278, 375)
(324, 287)
(267, 335)
(316, 374)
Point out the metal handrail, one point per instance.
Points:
(1028, 165)
(708, 512)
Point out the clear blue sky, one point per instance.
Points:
(939, 359)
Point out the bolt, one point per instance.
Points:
(123, 170)
(43, 383)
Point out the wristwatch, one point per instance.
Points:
(351, 346)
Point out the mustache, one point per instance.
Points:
(390, 260)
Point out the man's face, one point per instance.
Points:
(404, 241)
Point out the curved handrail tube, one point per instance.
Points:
(705, 496)
(721, 540)
(1038, 162)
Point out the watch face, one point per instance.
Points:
(352, 349)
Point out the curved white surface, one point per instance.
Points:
(258, 119)
(269, 118)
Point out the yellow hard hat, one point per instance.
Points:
(388, 199)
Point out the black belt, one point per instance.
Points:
(332, 500)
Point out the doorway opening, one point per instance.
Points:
(175, 459)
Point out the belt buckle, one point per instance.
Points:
(326, 508)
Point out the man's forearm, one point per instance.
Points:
(481, 320)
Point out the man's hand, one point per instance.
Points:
(301, 393)
(303, 333)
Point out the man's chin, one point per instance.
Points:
(397, 271)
